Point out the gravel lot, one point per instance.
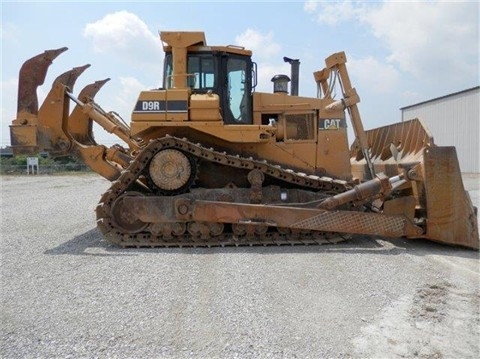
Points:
(66, 293)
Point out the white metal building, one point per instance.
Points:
(453, 120)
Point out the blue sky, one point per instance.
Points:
(399, 53)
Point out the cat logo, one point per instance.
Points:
(331, 124)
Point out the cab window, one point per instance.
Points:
(201, 72)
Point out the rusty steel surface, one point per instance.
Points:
(451, 217)
(32, 74)
(393, 145)
(378, 186)
(304, 218)
(79, 125)
(68, 78)
(170, 170)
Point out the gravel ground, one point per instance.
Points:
(66, 293)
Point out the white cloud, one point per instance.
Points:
(265, 73)
(332, 13)
(262, 45)
(436, 42)
(264, 48)
(124, 34)
(310, 6)
(429, 38)
(373, 75)
(9, 32)
(128, 94)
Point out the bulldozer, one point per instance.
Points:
(207, 160)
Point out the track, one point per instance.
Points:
(177, 235)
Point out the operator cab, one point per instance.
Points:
(227, 74)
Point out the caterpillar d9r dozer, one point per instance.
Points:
(209, 161)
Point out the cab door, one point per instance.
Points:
(236, 92)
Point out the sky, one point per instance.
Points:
(398, 53)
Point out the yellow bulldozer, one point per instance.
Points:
(209, 161)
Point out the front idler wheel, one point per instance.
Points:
(123, 217)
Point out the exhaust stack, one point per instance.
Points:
(295, 70)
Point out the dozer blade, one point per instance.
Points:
(451, 218)
(80, 124)
(32, 74)
(436, 194)
(391, 147)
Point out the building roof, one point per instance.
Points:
(441, 97)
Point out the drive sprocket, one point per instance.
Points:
(171, 171)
